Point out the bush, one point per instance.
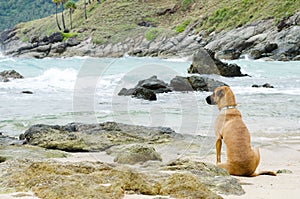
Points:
(181, 27)
(153, 33)
(68, 35)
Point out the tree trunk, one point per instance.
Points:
(85, 16)
(71, 19)
(57, 23)
(63, 18)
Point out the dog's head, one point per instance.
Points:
(222, 96)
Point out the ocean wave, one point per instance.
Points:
(52, 79)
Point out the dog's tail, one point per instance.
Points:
(270, 173)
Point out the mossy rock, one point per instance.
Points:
(137, 154)
(185, 185)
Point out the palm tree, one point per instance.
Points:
(71, 5)
(57, 4)
(62, 14)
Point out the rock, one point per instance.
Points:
(213, 177)
(147, 89)
(179, 83)
(72, 41)
(137, 154)
(204, 62)
(102, 180)
(27, 92)
(55, 37)
(34, 39)
(194, 83)
(126, 92)
(75, 137)
(180, 185)
(144, 93)
(9, 74)
(204, 84)
(229, 54)
(2, 159)
(266, 85)
(7, 35)
(58, 48)
(270, 47)
(286, 171)
(256, 53)
(154, 84)
(296, 58)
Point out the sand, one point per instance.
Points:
(276, 156)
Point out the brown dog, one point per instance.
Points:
(242, 160)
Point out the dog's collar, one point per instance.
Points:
(227, 107)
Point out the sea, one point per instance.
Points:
(85, 90)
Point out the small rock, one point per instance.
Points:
(266, 85)
(286, 171)
(27, 92)
(2, 159)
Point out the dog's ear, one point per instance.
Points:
(220, 93)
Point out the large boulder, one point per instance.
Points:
(195, 83)
(204, 62)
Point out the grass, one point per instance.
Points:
(181, 27)
(152, 33)
(114, 21)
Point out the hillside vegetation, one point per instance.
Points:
(13, 12)
(115, 20)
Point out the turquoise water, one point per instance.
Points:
(85, 90)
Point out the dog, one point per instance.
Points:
(242, 160)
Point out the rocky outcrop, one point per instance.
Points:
(6, 75)
(26, 167)
(258, 39)
(94, 137)
(147, 89)
(204, 62)
(37, 47)
(194, 83)
(47, 179)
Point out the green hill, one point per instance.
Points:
(13, 12)
(115, 20)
